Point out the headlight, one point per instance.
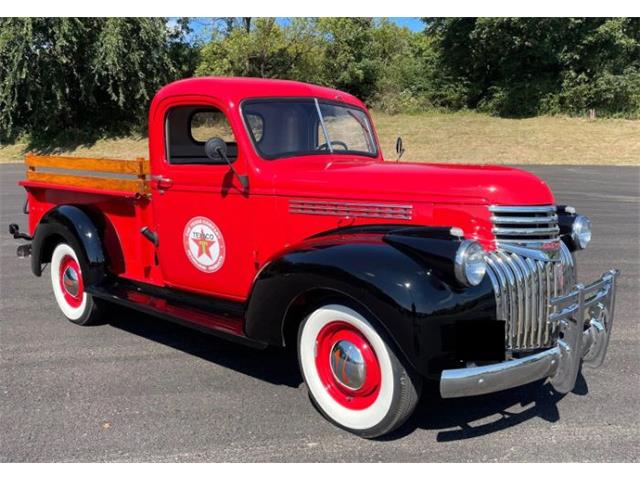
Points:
(470, 266)
(581, 231)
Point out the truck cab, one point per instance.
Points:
(267, 214)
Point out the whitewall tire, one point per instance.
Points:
(353, 375)
(67, 282)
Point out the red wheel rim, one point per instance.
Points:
(71, 281)
(347, 365)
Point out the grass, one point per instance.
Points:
(475, 138)
(122, 148)
(465, 137)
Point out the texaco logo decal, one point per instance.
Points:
(204, 244)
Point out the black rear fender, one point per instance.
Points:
(72, 225)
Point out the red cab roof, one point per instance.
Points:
(237, 89)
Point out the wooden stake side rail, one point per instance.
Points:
(138, 168)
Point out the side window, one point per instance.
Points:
(187, 130)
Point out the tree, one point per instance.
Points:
(601, 69)
(528, 66)
(98, 75)
(266, 50)
(184, 50)
(404, 66)
(89, 74)
(349, 62)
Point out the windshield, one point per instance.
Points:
(288, 127)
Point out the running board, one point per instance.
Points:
(212, 316)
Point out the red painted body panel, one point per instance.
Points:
(192, 315)
(131, 256)
(287, 201)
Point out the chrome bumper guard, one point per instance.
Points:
(584, 318)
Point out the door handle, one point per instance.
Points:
(163, 183)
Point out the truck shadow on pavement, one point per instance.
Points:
(275, 366)
(454, 419)
(463, 418)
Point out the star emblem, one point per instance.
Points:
(204, 245)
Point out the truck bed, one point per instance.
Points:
(114, 193)
(118, 177)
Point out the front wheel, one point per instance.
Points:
(353, 375)
(68, 287)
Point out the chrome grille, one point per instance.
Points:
(524, 286)
(525, 225)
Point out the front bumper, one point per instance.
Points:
(584, 318)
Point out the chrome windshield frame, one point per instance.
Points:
(324, 127)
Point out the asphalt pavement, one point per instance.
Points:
(140, 389)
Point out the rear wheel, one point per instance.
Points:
(68, 287)
(353, 375)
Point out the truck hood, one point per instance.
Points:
(409, 182)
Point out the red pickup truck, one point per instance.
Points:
(267, 214)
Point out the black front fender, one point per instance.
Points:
(75, 227)
(405, 283)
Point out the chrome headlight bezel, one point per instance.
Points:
(581, 231)
(470, 265)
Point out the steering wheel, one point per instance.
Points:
(325, 146)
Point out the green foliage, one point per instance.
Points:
(85, 74)
(349, 62)
(184, 54)
(267, 50)
(378, 61)
(602, 71)
(404, 66)
(531, 66)
(97, 75)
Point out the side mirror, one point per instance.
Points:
(215, 148)
(399, 147)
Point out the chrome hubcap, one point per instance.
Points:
(70, 281)
(347, 365)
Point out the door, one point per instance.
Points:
(204, 235)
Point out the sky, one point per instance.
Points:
(412, 23)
